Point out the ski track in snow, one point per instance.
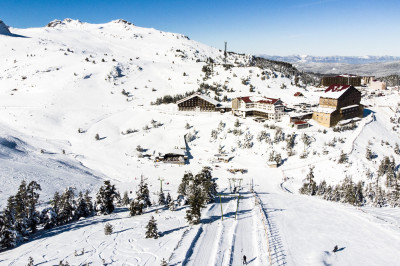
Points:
(225, 242)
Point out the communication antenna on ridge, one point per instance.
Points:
(225, 53)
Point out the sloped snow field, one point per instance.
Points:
(62, 85)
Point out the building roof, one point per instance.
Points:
(335, 91)
(298, 94)
(202, 96)
(300, 122)
(347, 76)
(258, 99)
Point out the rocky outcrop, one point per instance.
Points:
(4, 29)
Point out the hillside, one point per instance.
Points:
(62, 84)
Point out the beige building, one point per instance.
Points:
(377, 85)
(338, 102)
(268, 108)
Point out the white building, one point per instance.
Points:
(268, 108)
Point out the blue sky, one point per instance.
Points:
(280, 27)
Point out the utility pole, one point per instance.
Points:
(225, 53)
(160, 182)
(237, 206)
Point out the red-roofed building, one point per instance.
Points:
(300, 124)
(298, 94)
(268, 108)
(338, 102)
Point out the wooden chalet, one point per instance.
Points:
(201, 103)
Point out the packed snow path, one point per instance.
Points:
(225, 242)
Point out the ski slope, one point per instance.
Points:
(53, 102)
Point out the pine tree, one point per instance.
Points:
(48, 218)
(168, 199)
(237, 123)
(135, 208)
(395, 195)
(368, 154)
(309, 187)
(161, 198)
(171, 206)
(89, 203)
(208, 184)
(82, 209)
(164, 262)
(321, 188)
(342, 158)
(271, 156)
(197, 199)
(108, 229)
(349, 191)
(383, 167)
(21, 219)
(125, 199)
(380, 199)
(32, 200)
(67, 206)
(56, 202)
(278, 159)
(151, 227)
(30, 262)
(105, 198)
(8, 235)
(142, 194)
(391, 173)
(397, 149)
(184, 185)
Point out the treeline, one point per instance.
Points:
(359, 194)
(287, 70)
(171, 98)
(21, 218)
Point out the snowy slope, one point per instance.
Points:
(69, 76)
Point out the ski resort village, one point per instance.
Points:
(124, 145)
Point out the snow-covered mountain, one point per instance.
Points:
(66, 83)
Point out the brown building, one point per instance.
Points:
(342, 79)
(198, 102)
(338, 102)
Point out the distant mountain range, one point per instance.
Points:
(333, 59)
(378, 66)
